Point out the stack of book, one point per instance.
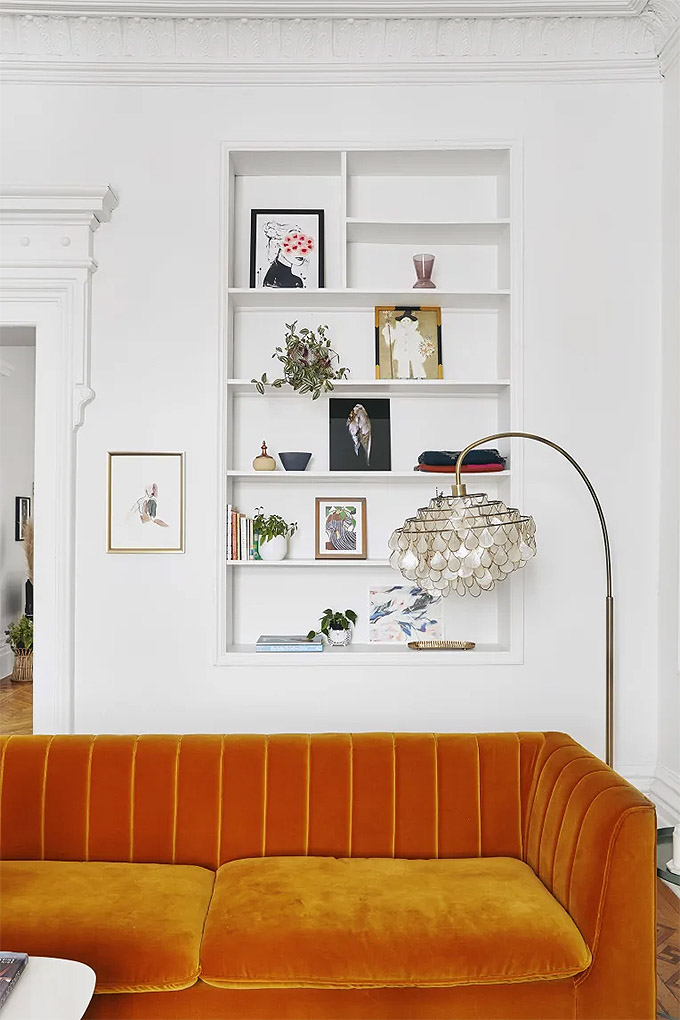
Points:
(289, 643)
(242, 539)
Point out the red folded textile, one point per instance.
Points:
(465, 470)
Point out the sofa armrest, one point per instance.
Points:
(591, 838)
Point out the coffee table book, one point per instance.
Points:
(288, 643)
(11, 967)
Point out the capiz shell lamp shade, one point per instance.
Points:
(463, 544)
(467, 544)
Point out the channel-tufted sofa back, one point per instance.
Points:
(207, 799)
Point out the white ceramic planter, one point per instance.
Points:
(339, 637)
(275, 549)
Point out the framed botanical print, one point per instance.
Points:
(340, 530)
(408, 343)
(287, 248)
(145, 507)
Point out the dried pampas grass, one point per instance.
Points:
(28, 547)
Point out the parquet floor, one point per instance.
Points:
(16, 707)
(16, 711)
(667, 952)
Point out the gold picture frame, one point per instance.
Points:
(408, 342)
(145, 502)
(339, 545)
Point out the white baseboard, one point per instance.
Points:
(639, 776)
(665, 792)
(6, 659)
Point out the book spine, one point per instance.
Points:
(229, 531)
(234, 547)
(289, 648)
(251, 539)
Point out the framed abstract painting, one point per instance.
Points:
(145, 506)
(287, 248)
(340, 529)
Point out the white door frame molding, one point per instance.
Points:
(45, 281)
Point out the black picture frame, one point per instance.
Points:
(351, 452)
(281, 271)
(22, 512)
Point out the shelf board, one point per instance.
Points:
(367, 654)
(428, 232)
(439, 477)
(308, 563)
(352, 299)
(395, 387)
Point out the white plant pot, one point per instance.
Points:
(275, 549)
(339, 637)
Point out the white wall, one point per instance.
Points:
(17, 407)
(668, 777)
(592, 197)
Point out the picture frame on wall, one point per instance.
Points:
(287, 248)
(359, 434)
(145, 504)
(340, 528)
(408, 342)
(22, 512)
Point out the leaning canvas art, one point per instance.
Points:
(287, 248)
(408, 343)
(402, 613)
(145, 503)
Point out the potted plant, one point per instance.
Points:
(336, 626)
(20, 640)
(308, 362)
(273, 534)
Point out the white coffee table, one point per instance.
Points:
(50, 989)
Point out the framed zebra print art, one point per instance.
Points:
(340, 529)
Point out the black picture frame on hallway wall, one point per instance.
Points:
(22, 512)
(287, 249)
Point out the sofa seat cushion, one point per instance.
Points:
(138, 926)
(375, 922)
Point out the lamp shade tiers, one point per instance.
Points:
(463, 544)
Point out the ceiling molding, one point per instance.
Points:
(328, 9)
(226, 49)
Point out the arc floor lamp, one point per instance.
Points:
(465, 543)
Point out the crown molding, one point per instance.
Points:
(136, 50)
(327, 9)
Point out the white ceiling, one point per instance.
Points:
(327, 8)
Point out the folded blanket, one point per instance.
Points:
(450, 469)
(442, 458)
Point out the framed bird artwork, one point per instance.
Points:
(359, 434)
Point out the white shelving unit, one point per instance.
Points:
(462, 204)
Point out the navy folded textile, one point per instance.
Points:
(443, 458)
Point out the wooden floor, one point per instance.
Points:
(16, 707)
(16, 712)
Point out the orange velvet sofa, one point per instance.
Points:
(332, 876)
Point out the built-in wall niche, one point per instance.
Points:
(380, 208)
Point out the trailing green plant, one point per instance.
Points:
(309, 362)
(333, 619)
(271, 525)
(20, 634)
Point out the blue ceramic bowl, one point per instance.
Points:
(295, 461)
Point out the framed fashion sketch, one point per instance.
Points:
(287, 248)
(145, 505)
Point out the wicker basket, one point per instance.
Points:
(23, 666)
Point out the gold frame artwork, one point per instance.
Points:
(384, 362)
(110, 548)
(361, 553)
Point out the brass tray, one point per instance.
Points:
(441, 646)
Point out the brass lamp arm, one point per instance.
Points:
(459, 489)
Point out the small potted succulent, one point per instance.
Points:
(20, 640)
(309, 362)
(273, 534)
(336, 626)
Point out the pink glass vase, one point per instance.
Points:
(423, 266)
